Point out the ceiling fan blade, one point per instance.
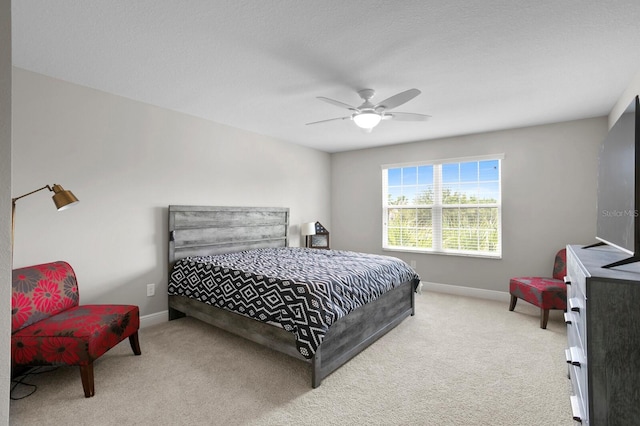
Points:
(338, 103)
(399, 99)
(331, 119)
(405, 116)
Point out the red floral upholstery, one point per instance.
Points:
(49, 327)
(545, 293)
(41, 291)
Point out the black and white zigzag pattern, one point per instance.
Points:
(305, 290)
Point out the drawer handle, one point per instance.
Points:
(567, 355)
(567, 280)
(575, 408)
(568, 318)
(575, 356)
(575, 304)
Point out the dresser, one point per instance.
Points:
(603, 333)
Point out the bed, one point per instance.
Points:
(312, 319)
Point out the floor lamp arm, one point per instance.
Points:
(13, 209)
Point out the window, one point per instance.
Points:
(447, 206)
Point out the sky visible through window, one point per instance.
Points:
(476, 179)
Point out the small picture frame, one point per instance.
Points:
(319, 241)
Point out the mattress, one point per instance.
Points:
(303, 290)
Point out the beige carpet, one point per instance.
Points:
(458, 361)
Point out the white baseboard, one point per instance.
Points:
(500, 296)
(153, 319)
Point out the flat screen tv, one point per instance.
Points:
(618, 222)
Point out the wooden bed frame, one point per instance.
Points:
(203, 230)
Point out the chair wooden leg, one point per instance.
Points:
(135, 344)
(512, 305)
(544, 317)
(86, 374)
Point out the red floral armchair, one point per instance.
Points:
(544, 292)
(49, 327)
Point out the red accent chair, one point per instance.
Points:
(49, 327)
(545, 293)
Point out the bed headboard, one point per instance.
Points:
(207, 230)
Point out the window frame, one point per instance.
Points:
(438, 206)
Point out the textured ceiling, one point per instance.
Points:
(259, 65)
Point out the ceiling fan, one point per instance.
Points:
(368, 115)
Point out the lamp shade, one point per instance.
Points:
(308, 228)
(367, 120)
(62, 198)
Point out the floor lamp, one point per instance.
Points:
(62, 198)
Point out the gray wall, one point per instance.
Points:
(127, 161)
(548, 192)
(5, 207)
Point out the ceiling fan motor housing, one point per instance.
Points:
(366, 94)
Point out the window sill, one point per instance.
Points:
(444, 253)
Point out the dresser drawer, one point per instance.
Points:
(574, 327)
(578, 376)
(577, 308)
(576, 299)
(578, 278)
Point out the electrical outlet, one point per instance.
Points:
(151, 289)
(413, 264)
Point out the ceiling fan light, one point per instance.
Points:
(367, 120)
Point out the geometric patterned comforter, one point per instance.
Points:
(303, 290)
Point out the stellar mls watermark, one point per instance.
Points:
(620, 213)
